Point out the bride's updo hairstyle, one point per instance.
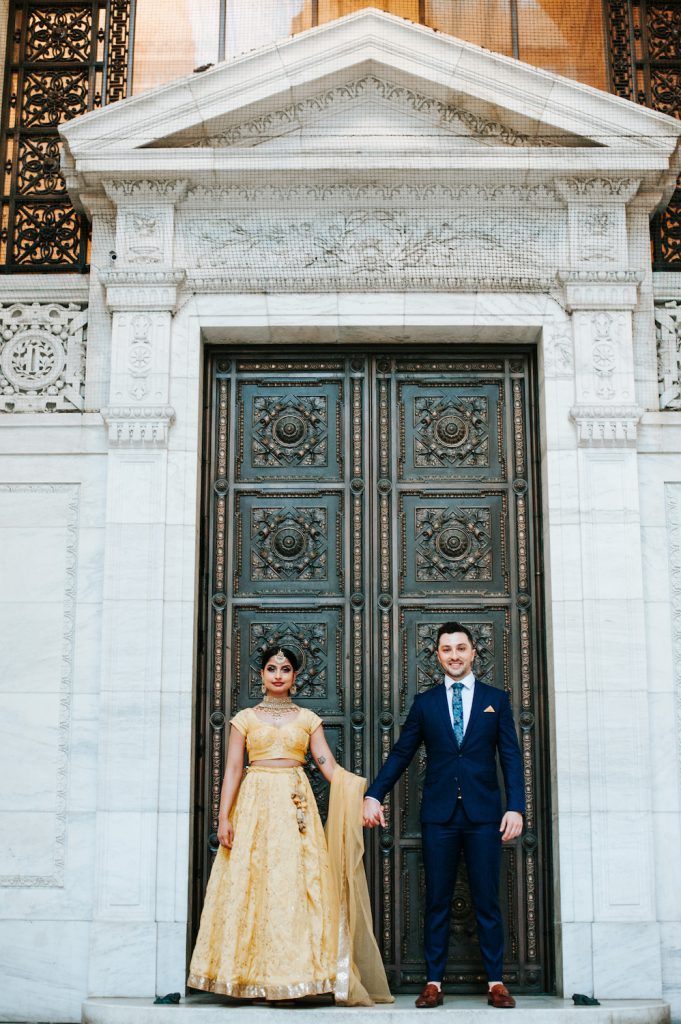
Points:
(271, 652)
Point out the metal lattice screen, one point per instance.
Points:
(64, 59)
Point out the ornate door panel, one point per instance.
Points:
(351, 504)
(455, 464)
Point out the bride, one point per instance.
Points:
(286, 913)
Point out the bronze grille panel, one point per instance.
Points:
(350, 505)
(64, 58)
(645, 66)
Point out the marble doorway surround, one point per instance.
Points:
(373, 180)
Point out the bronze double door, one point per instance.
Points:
(352, 502)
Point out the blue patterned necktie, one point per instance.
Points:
(457, 712)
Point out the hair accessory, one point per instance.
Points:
(280, 657)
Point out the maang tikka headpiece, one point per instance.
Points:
(280, 657)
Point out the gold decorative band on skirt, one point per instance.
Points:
(272, 992)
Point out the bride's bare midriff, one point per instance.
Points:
(279, 762)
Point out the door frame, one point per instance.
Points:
(208, 424)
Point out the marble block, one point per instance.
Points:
(43, 965)
(627, 958)
(122, 959)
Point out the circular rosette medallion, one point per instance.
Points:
(454, 543)
(33, 360)
(289, 542)
(289, 429)
(451, 430)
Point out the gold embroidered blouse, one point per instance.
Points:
(266, 742)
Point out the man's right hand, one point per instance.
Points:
(372, 813)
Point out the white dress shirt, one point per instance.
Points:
(466, 697)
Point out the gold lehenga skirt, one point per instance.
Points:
(265, 931)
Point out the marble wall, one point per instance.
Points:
(99, 554)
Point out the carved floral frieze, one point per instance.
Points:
(42, 357)
(126, 192)
(362, 248)
(668, 332)
(395, 191)
(301, 115)
(559, 353)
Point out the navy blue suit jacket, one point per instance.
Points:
(471, 769)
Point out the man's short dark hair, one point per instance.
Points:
(455, 627)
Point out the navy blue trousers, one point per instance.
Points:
(442, 845)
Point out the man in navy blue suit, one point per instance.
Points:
(464, 724)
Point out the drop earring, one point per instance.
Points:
(263, 688)
(294, 690)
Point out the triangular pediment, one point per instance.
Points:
(358, 93)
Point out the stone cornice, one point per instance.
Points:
(137, 288)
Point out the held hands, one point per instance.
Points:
(226, 833)
(511, 826)
(372, 813)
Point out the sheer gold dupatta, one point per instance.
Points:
(360, 978)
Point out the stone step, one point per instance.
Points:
(456, 1010)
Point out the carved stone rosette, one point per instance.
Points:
(42, 357)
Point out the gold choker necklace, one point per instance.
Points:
(277, 707)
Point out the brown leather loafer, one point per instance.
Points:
(500, 997)
(430, 997)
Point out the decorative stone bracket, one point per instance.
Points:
(606, 425)
(138, 426)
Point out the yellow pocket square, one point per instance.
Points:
(489, 708)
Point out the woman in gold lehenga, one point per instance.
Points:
(286, 913)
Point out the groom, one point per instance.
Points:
(464, 724)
